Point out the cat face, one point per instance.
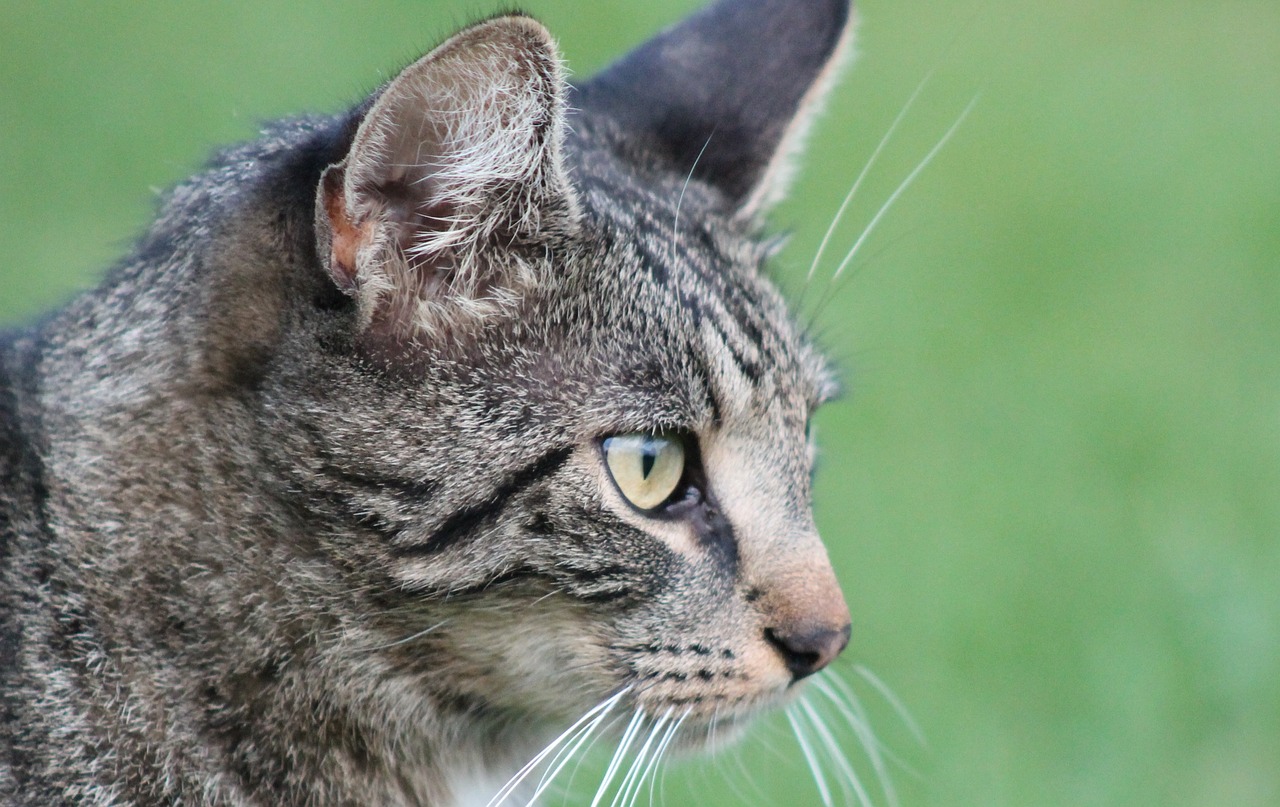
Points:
(578, 468)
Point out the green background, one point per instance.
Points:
(1053, 492)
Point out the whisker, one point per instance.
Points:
(833, 289)
(835, 754)
(675, 222)
(628, 736)
(662, 750)
(894, 703)
(548, 595)
(757, 795)
(623, 796)
(805, 714)
(532, 764)
(906, 183)
(675, 219)
(711, 729)
(857, 720)
(866, 169)
(410, 638)
(810, 758)
(852, 701)
(612, 723)
(716, 765)
(655, 761)
(766, 736)
(561, 759)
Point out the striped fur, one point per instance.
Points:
(306, 503)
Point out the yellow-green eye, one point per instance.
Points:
(646, 467)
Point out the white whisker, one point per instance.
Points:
(766, 737)
(591, 744)
(662, 750)
(857, 719)
(675, 219)
(906, 183)
(523, 773)
(757, 795)
(675, 222)
(835, 754)
(562, 758)
(651, 770)
(410, 638)
(884, 141)
(805, 714)
(811, 758)
(833, 288)
(623, 796)
(569, 752)
(894, 702)
(628, 735)
(711, 729)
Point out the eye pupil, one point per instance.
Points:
(646, 466)
(648, 457)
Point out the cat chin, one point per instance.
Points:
(719, 730)
(713, 738)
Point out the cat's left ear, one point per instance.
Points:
(453, 183)
(728, 94)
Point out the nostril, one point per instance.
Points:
(799, 661)
(807, 650)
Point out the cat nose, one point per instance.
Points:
(806, 648)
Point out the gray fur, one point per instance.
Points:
(271, 535)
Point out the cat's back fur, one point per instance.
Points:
(312, 502)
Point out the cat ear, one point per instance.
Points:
(453, 176)
(732, 88)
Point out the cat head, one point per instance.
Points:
(562, 422)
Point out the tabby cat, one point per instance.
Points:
(408, 438)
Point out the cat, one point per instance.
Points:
(412, 445)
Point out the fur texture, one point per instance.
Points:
(306, 504)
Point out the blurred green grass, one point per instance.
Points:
(1052, 494)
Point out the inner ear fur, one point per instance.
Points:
(453, 174)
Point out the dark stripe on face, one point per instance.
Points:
(462, 522)
(716, 533)
(749, 369)
(704, 379)
(379, 483)
(594, 592)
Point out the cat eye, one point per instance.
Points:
(647, 468)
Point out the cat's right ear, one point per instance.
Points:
(454, 174)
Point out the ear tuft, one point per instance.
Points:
(455, 168)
